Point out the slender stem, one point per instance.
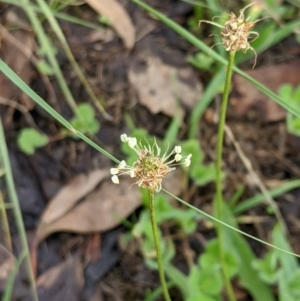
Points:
(157, 245)
(219, 198)
(4, 224)
(16, 210)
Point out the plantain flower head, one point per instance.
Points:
(236, 34)
(150, 168)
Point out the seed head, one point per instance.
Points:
(150, 168)
(236, 34)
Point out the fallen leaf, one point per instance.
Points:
(162, 87)
(101, 210)
(7, 263)
(62, 282)
(119, 18)
(247, 97)
(15, 58)
(71, 194)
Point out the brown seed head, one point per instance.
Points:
(236, 34)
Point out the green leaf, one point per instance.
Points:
(203, 174)
(244, 256)
(211, 259)
(85, 121)
(293, 284)
(44, 68)
(192, 146)
(285, 294)
(207, 285)
(201, 60)
(288, 263)
(201, 297)
(186, 219)
(29, 139)
(200, 282)
(267, 267)
(285, 91)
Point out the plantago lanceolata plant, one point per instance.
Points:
(235, 35)
(149, 170)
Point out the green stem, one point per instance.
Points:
(17, 211)
(219, 198)
(157, 245)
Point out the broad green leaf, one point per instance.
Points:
(29, 139)
(242, 252)
(206, 284)
(289, 264)
(294, 284)
(85, 121)
(267, 267)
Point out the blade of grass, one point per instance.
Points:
(11, 279)
(47, 47)
(9, 73)
(16, 211)
(60, 15)
(210, 217)
(260, 198)
(58, 32)
(4, 224)
(199, 44)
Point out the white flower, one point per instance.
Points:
(132, 142)
(124, 138)
(115, 179)
(122, 164)
(187, 161)
(132, 173)
(114, 171)
(178, 157)
(177, 150)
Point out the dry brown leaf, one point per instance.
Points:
(62, 282)
(71, 194)
(7, 263)
(17, 60)
(250, 98)
(101, 210)
(163, 88)
(120, 19)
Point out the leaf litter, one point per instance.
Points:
(246, 98)
(119, 18)
(99, 211)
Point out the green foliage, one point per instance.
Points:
(186, 221)
(104, 20)
(267, 267)
(278, 268)
(29, 139)
(201, 174)
(44, 67)
(292, 96)
(201, 61)
(211, 258)
(85, 121)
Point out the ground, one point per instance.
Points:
(78, 254)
